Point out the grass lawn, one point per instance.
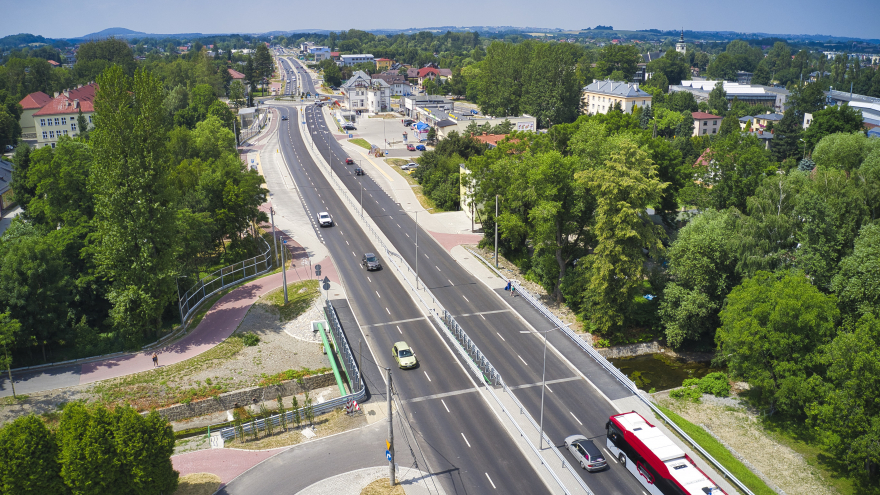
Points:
(360, 142)
(720, 453)
(299, 297)
(425, 201)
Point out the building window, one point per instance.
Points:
(63, 120)
(56, 121)
(42, 122)
(49, 123)
(714, 131)
(704, 131)
(705, 122)
(90, 119)
(65, 132)
(53, 146)
(714, 122)
(45, 135)
(73, 126)
(51, 134)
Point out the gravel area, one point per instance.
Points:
(728, 420)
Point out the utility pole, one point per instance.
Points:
(274, 237)
(417, 249)
(390, 428)
(284, 270)
(496, 231)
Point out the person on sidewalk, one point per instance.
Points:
(155, 360)
(507, 287)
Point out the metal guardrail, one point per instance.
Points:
(221, 279)
(351, 366)
(348, 362)
(490, 374)
(616, 373)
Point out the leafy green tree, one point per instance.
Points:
(786, 141)
(779, 57)
(551, 90)
(702, 267)
(857, 284)
(89, 464)
(658, 80)
(807, 98)
(718, 99)
(847, 406)
(623, 58)
(837, 118)
(94, 57)
(61, 177)
(30, 458)
(623, 189)
(211, 139)
(135, 218)
(238, 94)
(762, 74)
(144, 446)
(683, 101)
(844, 151)
(8, 329)
(772, 326)
(729, 125)
(263, 61)
(733, 168)
(724, 67)
(673, 65)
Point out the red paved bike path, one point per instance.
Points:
(217, 325)
(225, 463)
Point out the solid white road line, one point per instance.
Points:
(483, 317)
(399, 330)
(499, 335)
(609, 455)
(465, 298)
(575, 418)
(389, 312)
(368, 280)
(523, 360)
(444, 405)
(490, 481)
(377, 293)
(465, 441)
(428, 377)
(438, 268)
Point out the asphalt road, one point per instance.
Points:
(570, 407)
(459, 434)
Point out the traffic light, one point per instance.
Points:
(317, 270)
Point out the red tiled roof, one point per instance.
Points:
(235, 74)
(383, 60)
(53, 63)
(704, 116)
(334, 54)
(35, 100)
(64, 103)
(493, 139)
(427, 70)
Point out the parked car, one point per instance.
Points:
(324, 219)
(410, 147)
(404, 355)
(408, 122)
(349, 127)
(587, 454)
(409, 166)
(349, 161)
(359, 171)
(421, 147)
(371, 262)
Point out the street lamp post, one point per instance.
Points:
(543, 381)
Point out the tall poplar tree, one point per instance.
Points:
(135, 214)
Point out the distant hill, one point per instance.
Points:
(16, 40)
(115, 31)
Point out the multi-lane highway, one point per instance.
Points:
(571, 405)
(465, 445)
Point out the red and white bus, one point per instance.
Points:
(658, 463)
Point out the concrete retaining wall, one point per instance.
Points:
(630, 350)
(244, 397)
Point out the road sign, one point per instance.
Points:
(317, 267)
(388, 455)
(387, 445)
(326, 286)
(326, 280)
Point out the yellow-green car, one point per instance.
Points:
(404, 355)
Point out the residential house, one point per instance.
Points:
(706, 124)
(601, 96)
(30, 105)
(383, 64)
(642, 75)
(399, 85)
(238, 76)
(364, 94)
(432, 73)
(59, 117)
(349, 60)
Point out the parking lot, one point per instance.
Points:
(377, 130)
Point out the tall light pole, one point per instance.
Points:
(274, 236)
(496, 231)
(390, 428)
(543, 382)
(284, 270)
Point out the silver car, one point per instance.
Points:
(324, 219)
(587, 454)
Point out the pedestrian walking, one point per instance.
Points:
(155, 360)
(507, 287)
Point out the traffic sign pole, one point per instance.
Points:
(390, 443)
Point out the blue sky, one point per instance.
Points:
(67, 18)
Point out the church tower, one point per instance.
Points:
(681, 47)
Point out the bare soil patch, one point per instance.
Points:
(198, 484)
(382, 487)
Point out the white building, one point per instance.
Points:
(681, 46)
(320, 52)
(601, 96)
(349, 60)
(363, 94)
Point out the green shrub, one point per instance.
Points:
(715, 383)
(250, 339)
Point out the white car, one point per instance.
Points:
(409, 166)
(324, 219)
